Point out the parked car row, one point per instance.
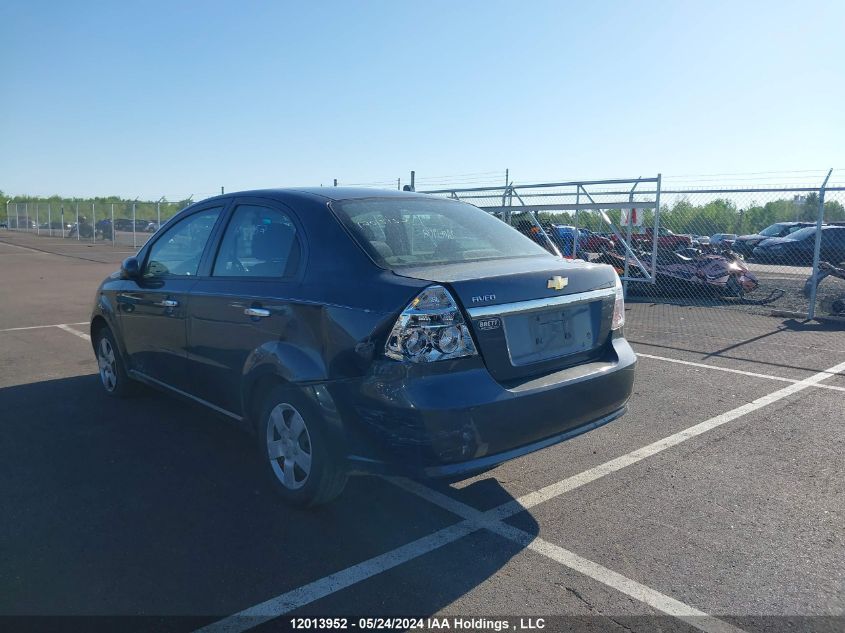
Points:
(799, 246)
(126, 224)
(564, 238)
(783, 242)
(745, 244)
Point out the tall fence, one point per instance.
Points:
(773, 249)
(764, 249)
(120, 222)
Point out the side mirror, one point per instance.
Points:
(130, 268)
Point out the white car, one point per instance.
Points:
(723, 239)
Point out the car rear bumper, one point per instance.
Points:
(452, 418)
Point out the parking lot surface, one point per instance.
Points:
(717, 503)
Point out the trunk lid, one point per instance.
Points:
(530, 315)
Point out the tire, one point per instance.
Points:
(113, 377)
(303, 466)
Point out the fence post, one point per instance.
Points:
(112, 225)
(811, 310)
(17, 216)
(38, 221)
(656, 228)
(134, 240)
(78, 229)
(158, 213)
(62, 214)
(49, 217)
(93, 223)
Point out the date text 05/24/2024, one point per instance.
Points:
(467, 625)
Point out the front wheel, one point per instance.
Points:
(113, 375)
(303, 466)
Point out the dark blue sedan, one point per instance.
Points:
(366, 331)
(799, 247)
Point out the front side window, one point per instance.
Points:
(259, 242)
(399, 232)
(178, 251)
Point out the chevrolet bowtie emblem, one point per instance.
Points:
(557, 283)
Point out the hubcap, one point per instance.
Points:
(105, 359)
(289, 446)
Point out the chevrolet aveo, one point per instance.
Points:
(360, 331)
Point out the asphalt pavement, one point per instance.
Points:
(717, 503)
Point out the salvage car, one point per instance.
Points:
(798, 248)
(588, 241)
(362, 331)
(745, 244)
(666, 239)
(722, 239)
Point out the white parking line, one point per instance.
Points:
(38, 327)
(591, 569)
(735, 371)
(87, 337)
(286, 602)
(32, 250)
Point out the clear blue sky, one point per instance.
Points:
(173, 98)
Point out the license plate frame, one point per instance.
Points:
(549, 334)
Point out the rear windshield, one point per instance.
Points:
(774, 230)
(399, 232)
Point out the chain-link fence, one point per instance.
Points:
(128, 223)
(741, 248)
(750, 249)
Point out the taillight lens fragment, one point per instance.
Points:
(431, 328)
(618, 306)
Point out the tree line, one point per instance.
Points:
(32, 206)
(717, 216)
(682, 216)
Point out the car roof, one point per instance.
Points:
(324, 193)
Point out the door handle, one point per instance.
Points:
(257, 312)
(167, 303)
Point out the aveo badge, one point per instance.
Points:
(493, 323)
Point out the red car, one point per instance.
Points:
(666, 239)
(593, 242)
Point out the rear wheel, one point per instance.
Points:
(113, 375)
(303, 466)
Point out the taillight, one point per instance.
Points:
(618, 306)
(431, 328)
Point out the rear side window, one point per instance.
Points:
(399, 232)
(259, 242)
(178, 251)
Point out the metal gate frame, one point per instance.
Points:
(620, 196)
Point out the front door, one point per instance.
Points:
(153, 310)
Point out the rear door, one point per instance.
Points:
(245, 304)
(153, 310)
